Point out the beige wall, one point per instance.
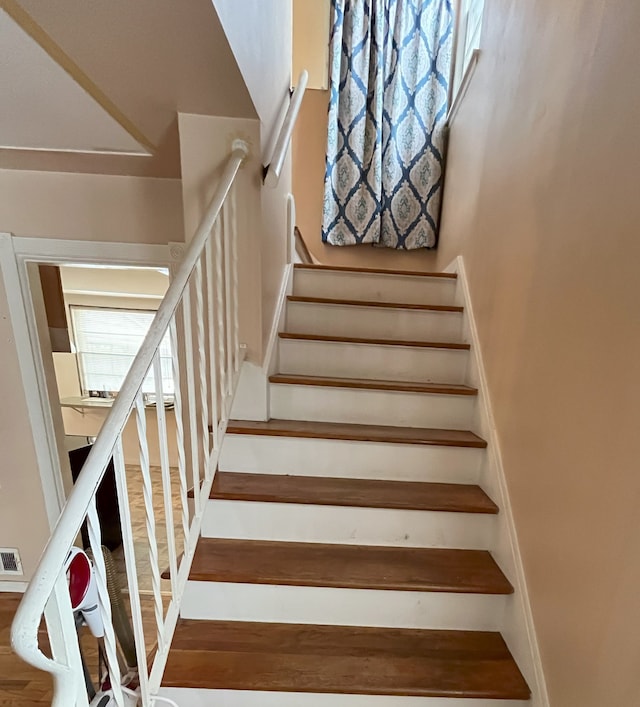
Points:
(259, 34)
(206, 141)
(90, 207)
(145, 210)
(542, 202)
(153, 59)
(67, 206)
(23, 518)
(115, 282)
(311, 41)
(261, 213)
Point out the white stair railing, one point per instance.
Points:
(200, 310)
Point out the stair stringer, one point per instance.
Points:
(251, 401)
(517, 627)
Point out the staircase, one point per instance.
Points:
(344, 552)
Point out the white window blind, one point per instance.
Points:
(107, 341)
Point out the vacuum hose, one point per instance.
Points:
(121, 624)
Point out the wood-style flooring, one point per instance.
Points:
(20, 684)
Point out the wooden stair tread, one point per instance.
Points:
(375, 271)
(347, 566)
(358, 433)
(363, 493)
(238, 655)
(371, 384)
(370, 303)
(379, 342)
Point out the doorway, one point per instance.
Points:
(67, 382)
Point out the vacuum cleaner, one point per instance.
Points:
(83, 592)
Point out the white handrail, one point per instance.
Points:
(24, 630)
(273, 169)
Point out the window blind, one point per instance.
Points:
(107, 341)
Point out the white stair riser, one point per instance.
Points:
(374, 288)
(187, 697)
(348, 459)
(228, 601)
(374, 407)
(372, 361)
(346, 525)
(374, 322)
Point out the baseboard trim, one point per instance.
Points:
(20, 587)
(522, 619)
(277, 325)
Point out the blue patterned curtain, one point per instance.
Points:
(389, 74)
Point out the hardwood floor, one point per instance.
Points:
(20, 684)
(139, 521)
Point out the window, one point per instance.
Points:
(107, 341)
(469, 29)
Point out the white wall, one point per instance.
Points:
(259, 32)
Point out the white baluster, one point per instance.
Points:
(222, 360)
(234, 279)
(226, 220)
(110, 645)
(202, 371)
(166, 474)
(128, 545)
(150, 519)
(191, 391)
(180, 440)
(212, 342)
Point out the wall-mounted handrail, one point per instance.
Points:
(48, 579)
(273, 169)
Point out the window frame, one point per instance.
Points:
(465, 54)
(84, 390)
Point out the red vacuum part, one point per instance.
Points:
(79, 578)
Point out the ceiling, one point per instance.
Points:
(44, 108)
(96, 87)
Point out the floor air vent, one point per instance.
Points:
(10, 561)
